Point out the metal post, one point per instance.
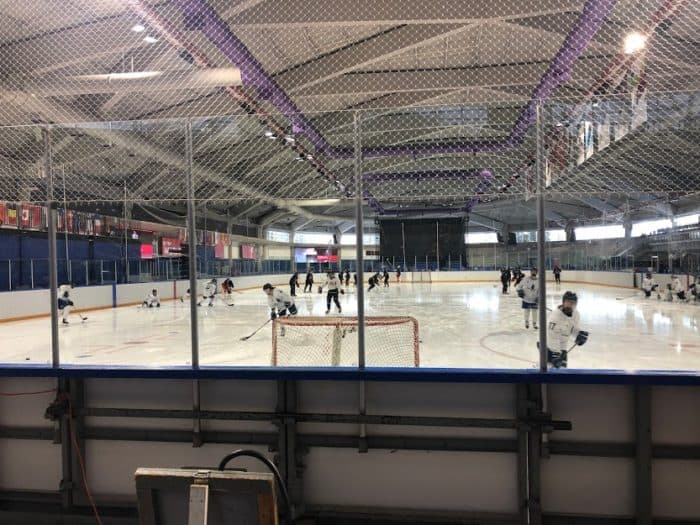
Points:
(102, 271)
(192, 235)
(9, 274)
(126, 238)
(53, 262)
(643, 480)
(31, 271)
(541, 275)
(437, 243)
(196, 421)
(359, 243)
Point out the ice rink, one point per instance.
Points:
(465, 325)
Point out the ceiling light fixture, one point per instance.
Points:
(138, 28)
(634, 42)
(150, 39)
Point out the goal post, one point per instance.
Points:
(333, 341)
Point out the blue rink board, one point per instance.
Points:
(432, 375)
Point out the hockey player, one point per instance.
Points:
(398, 274)
(151, 300)
(505, 280)
(695, 288)
(347, 277)
(209, 293)
(332, 286)
(649, 285)
(227, 286)
(518, 276)
(678, 288)
(309, 283)
(293, 284)
(386, 279)
(373, 281)
(528, 291)
(65, 304)
(354, 279)
(281, 304)
(563, 323)
(557, 275)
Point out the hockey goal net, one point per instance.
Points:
(333, 341)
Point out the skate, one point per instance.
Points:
(534, 326)
(327, 312)
(65, 322)
(527, 325)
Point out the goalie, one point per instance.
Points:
(563, 324)
(280, 302)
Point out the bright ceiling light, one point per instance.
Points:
(315, 202)
(138, 28)
(150, 39)
(634, 42)
(270, 135)
(128, 75)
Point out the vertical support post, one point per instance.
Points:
(77, 396)
(9, 274)
(437, 244)
(53, 257)
(523, 492)
(31, 271)
(542, 274)
(289, 459)
(126, 237)
(642, 463)
(66, 485)
(192, 236)
(359, 242)
(196, 420)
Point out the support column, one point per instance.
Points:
(53, 257)
(289, 455)
(643, 455)
(541, 273)
(359, 242)
(192, 237)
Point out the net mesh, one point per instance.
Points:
(444, 108)
(332, 341)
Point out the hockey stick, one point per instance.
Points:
(256, 331)
(83, 319)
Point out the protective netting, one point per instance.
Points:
(443, 105)
(332, 341)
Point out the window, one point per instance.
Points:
(279, 236)
(686, 220)
(313, 238)
(554, 235)
(368, 239)
(480, 238)
(648, 227)
(588, 233)
(526, 236)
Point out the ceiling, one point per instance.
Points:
(441, 103)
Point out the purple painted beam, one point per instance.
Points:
(200, 15)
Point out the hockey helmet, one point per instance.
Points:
(570, 296)
(267, 286)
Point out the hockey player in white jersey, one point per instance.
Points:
(528, 291)
(649, 285)
(151, 300)
(563, 324)
(677, 288)
(280, 302)
(209, 293)
(65, 303)
(333, 287)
